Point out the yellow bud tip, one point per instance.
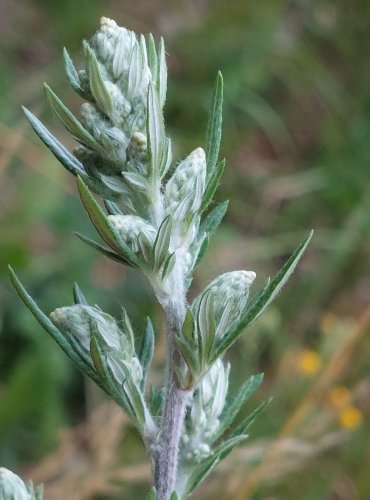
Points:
(350, 418)
(308, 362)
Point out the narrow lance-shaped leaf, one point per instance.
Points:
(155, 132)
(263, 299)
(59, 151)
(51, 329)
(214, 128)
(97, 85)
(214, 218)
(233, 408)
(162, 73)
(69, 120)
(248, 421)
(78, 296)
(204, 468)
(103, 250)
(102, 224)
(162, 241)
(112, 208)
(152, 57)
(135, 70)
(72, 75)
(152, 495)
(146, 350)
(212, 185)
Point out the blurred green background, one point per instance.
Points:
(297, 143)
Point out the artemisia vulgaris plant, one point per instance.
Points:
(158, 218)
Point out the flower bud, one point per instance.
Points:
(79, 321)
(207, 405)
(12, 487)
(230, 292)
(134, 231)
(184, 191)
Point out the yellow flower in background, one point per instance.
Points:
(339, 396)
(308, 362)
(350, 418)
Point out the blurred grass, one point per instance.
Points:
(296, 128)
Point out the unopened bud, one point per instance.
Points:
(12, 487)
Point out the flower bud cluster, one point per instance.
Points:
(82, 322)
(112, 134)
(230, 292)
(207, 405)
(135, 231)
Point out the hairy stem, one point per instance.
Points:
(174, 411)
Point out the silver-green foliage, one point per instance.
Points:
(153, 221)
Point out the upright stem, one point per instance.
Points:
(174, 411)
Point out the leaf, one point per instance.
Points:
(168, 265)
(174, 496)
(162, 74)
(263, 299)
(152, 495)
(152, 57)
(103, 250)
(103, 226)
(203, 469)
(52, 330)
(155, 132)
(248, 421)
(156, 397)
(233, 408)
(70, 121)
(212, 185)
(72, 75)
(126, 395)
(135, 71)
(162, 242)
(112, 208)
(214, 129)
(206, 327)
(203, 247)
(146, 350)
(97, 85)
(78, 296)
(59, 151)
(213, 219)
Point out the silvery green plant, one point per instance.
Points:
(13, 488)
(158, 218)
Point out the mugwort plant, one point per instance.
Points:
(158, 218)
